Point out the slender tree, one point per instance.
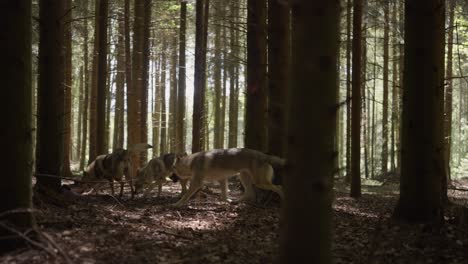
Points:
(68, 88)
(356, 101)
(349, 9)
(86, 85)
(49, 148)
(120, 85)
(448, 108)
(306, 234)
(101, 79)
(199, 117)
(180, 124)
(422, 165)
(94, 86)
(256, 95)
(162, 100)
(278, 78)
(15, 190)
(385, 87)
(233, 77)
(173, 96)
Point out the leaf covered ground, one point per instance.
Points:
(100, 229)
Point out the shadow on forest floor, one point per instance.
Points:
(98, 229)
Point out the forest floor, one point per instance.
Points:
(101, 229)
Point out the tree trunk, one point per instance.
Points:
(132, 110)
(120, 83)
(157, 108)
(306, 234)
(162, 89)
(233, 78)
(173, 97)
(68, 88)
(80, 114)
(256, 127)
(348, 90)
(109, 81)
(145, 80)
(448, 102)
(16, 111)
(356, 101)
(199, 117)
(49, 149)
(101, 80)
(278, 82)
(395, 110)
(86, 86)
(94, 84)
(385, 88)
(180, 126)
(217, 79)
(422, 164)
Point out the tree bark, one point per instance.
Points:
(49, 148)
(199, 117)
(348, 89)
(16, 111)
(233, 78)
(306, 234)
(356, 101)
(180, 126)
(68, 88)
(256, 127)
(101, 80)
(385, 88)
(173, 96)
(162, 90)
(86, 86)
(422, 165)
(278, 82)
(120, 85)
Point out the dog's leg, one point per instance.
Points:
(264, 180)
(159, 188)
(195, 184)
(121, 188)
(247, 182)
(183, 183)
(223, 184)
(112, 187)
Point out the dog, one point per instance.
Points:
(108, 167)
(155, 173)
(113, 166)
(253, 167)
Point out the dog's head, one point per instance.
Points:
(179, 167)
(121, 155)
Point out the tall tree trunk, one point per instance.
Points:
(217, 79)
(119, 83)
(162, 89)
(278, 83)
(256, 127)
(15, 190)
(80, 114)
(395, 110)
(145, 79)
(200, 76)
(86, 86)
(356, 101)
(173, 97)
(365, 123)
(306, 234)
(101, 80)
(157, 108)
(49, 149)
(422, 165)
(233, 77)
(109, 81)
(180, 126)
(94, 84)
(385, 88)
(132, 111)
(135, 94)
(348, 89)
(68, 88)
(448, 101)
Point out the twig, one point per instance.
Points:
(27, 239)
(19, 210)
(116, 200)
(59, 249)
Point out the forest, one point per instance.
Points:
(234, 131)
